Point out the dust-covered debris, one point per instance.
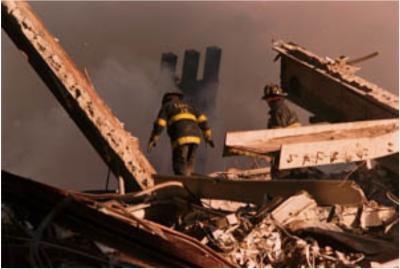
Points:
(205, 221)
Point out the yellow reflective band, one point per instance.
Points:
(296, 124)
(186, 140)
(182, 116)
(161, 122)
(208, 133)
(202, 118)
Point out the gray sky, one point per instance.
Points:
(120, 44)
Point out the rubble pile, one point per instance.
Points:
(283, 231)
(275, 235)
(233, 218)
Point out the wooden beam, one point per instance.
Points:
(316, 145)
(116, 146)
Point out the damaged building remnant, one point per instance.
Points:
(168, 64)
(226, 219)
(116, 146)
(320, 144)
(330, 89)
(201, 92)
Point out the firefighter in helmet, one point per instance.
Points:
(184, 125)
(280, 116)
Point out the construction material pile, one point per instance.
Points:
(292, 223)
(296, 232)
(174, 225)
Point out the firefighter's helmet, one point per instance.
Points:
(273, 90)
(169, 95)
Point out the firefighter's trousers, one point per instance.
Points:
(184, 158)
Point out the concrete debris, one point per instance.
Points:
(294, 208)
(344, 96)
(317, 145)
(228, 219)
(295, 231)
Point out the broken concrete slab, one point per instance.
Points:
(316, 145)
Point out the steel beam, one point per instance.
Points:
(325, 192)
(116, 146)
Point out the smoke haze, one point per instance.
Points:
(120, 43)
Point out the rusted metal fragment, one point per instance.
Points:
(330, 89)
(316, 145)
(117, 147)
(145, 243)
(325, 192)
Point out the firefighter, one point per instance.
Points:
(184, 124)
(280, 116)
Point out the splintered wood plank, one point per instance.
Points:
(116, 146)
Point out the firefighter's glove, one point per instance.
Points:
(152, 143)
(211, 143)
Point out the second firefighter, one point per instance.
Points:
(185, 125)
